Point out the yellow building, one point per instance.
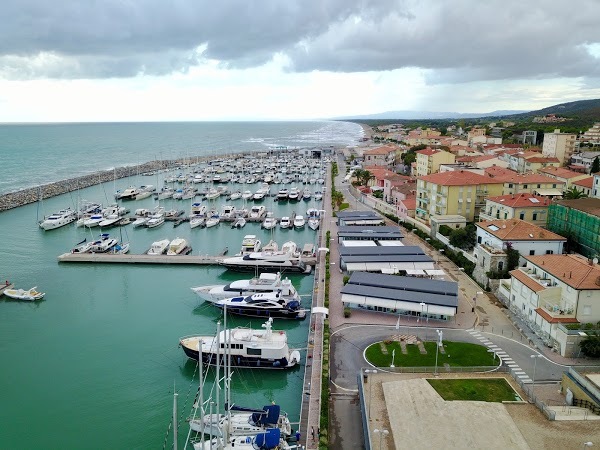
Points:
(429, 160)
(460, 193)
(559, 145)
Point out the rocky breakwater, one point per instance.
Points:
(31, 195)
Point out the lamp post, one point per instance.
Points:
(368, 371)
(535, 358)
(381, 433)
(440, 334)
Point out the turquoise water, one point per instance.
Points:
(93, 365)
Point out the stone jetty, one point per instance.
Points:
(31, 195)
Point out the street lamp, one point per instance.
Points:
(535, 358)
(368, 371)
(381, 433)
(440, 334)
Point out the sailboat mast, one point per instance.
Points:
(175, 419)
(201, 394)
(218, 387)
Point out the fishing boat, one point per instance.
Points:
(177, 246)
(249, 348)
(159, 247)
(22, 294)
(264, 283)
(59, 219)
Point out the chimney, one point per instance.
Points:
(570, 273)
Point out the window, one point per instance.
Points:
(532, 252)
(524, 186)
(539, 186)
(500, 265)
(549, 252)
(587, 310)
(522, 216)
(510, 185)
(479, 239)
(506, 215)
(554, 185)
(534, 216)
(254, 351)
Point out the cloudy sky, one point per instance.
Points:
(130, 60)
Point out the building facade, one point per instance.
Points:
(525, 206)
(578, 219)
(560, 145)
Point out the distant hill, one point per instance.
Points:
(417, 115)
(581, 109)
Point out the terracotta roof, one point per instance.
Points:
(551, 319)
(410, 203)
(529, 282)
(518, 230)
(559, 172)
(520, 200)
(428, 151)
(459, 178)
(573, 270)
(380, 150)
(585, 182)
(543, 159)
(587, 205)
(510, 176)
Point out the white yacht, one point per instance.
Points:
(235, 195)
(250, 244)
(159, 247)
(306, 195)
(197, 210)
(128, 194)
(294, 194)
(155, 220)
(239, 222)
(264, 283)
(247, 195)
(109, 221)
(249, 348)
(228, 211)
(288, 258)
(257, 212)
(197, 221)
(213, 220)
(103, 244)
(269, 223)
(212, 194)
(285, 222)
(282, 195)
(263, 304)
(177, 246)
(59, 219)
(299, 221)
(93, 221)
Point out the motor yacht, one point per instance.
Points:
(257, 212)
(285, 222)
(159, 247)
(155, 220)
(177, 246)
(93, 221)
(269, 223)
(128, 194)
(197, 221)
(269, 304)
(250, 244)
(282, 195)
(299, 221)
(213, 220)
(286, 259)
(247, 195)
(228, 212)
(294, 194)
(59, 219)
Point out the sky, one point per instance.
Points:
(188, 60)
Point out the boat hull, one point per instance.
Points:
(239, 361)
(276, 314)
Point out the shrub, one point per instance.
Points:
(445, 230)
(347, 312)
(346, 279)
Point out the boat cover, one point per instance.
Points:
(268, 440)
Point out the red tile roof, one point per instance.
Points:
(543, 159)
(551, 319)
(585, 182)
(384, 150)
(529, 282)
(559, 172)
(520, 200)
(459, 178)
(574, 270)
(510, 176)
(518, 230)
(428, 151)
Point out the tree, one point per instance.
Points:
(590, 346)
(463, 238)
(595, 165)
(365, 176)
(572, 193)
(337, 198)
(409, 158)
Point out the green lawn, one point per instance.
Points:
(457, 354)
(475, 389)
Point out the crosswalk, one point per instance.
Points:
(502, 355)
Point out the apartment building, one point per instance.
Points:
(525, 206)
(430, 159)
(384, 156)
(454, 193)
(580, 220)
(560, 145)
(561, 174)
(531, 183)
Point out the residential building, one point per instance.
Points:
(562, 174)
(482, 161)
(429, 160)
(552, 291)
(454, 193)
(579, 219)
(560, 145)
(585, 185)
(393, 181)
(530, 161)
(494, 237)
(384, 156)
(529, 137)
(582, 161)
(592, 135)
(532, 183)
(596, 186)
(524, 206)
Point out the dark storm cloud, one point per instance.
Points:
(459, 40)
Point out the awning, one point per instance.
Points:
(549, 192)
(320, 310)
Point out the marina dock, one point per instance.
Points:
(148, 259)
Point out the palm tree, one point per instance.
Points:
(365, 177)
(572, 193)
(337, 198)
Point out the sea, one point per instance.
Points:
(96, 363)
